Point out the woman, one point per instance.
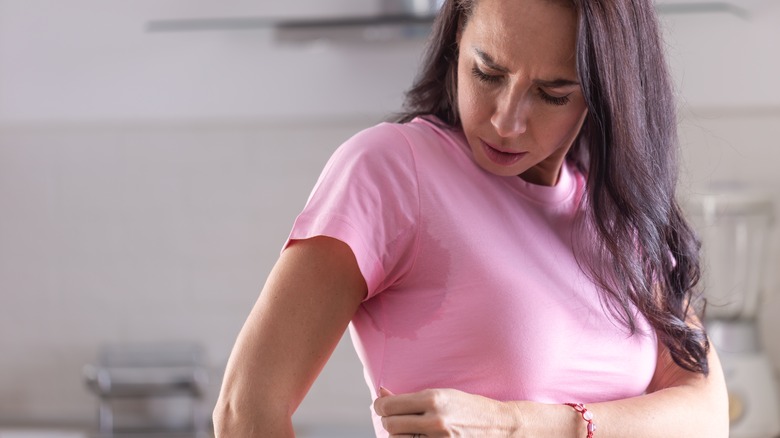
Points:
(512, 246)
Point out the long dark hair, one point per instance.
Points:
(648, 254)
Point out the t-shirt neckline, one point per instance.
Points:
(561, 191)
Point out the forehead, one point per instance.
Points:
(541, 32)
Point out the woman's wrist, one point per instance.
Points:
(537, 420)
(587, 417)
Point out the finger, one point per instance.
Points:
(402, 425)
(405, 404)
(379, 401)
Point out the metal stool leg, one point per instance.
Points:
(199, 418)
(105, 418)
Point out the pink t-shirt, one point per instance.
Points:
(472, 279)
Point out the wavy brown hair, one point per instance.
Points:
(627, 148)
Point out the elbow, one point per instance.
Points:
(720, 417)
(715, 415)
(711, 416)
(225, 421)
(234, 421)
(229, 422)
(719, 407)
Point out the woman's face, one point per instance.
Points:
(519, 99)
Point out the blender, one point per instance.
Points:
(734, 225)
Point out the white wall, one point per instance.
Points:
(92, 60)
(149, 180)
(722, 60)
(145, 233)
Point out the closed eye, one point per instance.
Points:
(554, 100)
(494, 79)
(484, 77)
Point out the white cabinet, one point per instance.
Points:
(725, 59)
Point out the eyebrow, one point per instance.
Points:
(553, 83)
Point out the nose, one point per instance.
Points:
(510, 117)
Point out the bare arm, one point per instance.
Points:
(304, 308)
(678, 403)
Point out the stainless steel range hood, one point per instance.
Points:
(672, 7)
(395, 19)
(390, 13)
(376, 28)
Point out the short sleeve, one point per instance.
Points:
(367, 197)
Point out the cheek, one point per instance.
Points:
(576, 118)
(472, 109)
(564, 128)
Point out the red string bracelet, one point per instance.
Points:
(586, 415)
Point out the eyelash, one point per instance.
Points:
(484, 77)
(490, 79)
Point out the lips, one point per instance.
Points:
(500, 157)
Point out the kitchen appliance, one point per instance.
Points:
(734, 225)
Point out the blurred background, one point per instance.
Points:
(154, 153)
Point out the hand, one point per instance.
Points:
(444, 413)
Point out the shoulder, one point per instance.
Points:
(388, 145)
(411, 134)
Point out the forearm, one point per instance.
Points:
(677, 403)
(677, 411)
